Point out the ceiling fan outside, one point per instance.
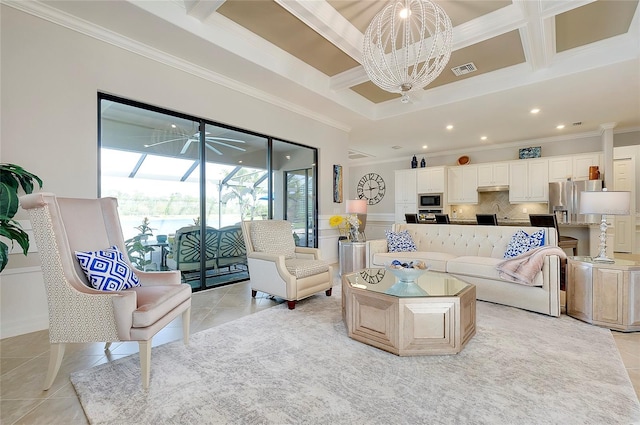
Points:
(209, 140)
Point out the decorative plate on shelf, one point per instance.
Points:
(464, 160)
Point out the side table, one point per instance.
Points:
(353, 256)
(603, 294)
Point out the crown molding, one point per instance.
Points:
(516, 144)
(53, 15)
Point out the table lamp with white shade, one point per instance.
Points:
(358, 207)
(605, 203)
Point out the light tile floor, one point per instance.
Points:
(24, 358)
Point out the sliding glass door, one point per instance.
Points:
(151, 160)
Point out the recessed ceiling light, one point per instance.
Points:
(560, 126)
(173, 126)
(288, 156)
(240, 162)
(449, 127)
(535, 110)
(483, 138)
(424, 146)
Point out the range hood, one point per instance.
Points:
(496, 188)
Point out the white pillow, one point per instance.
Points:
(107, 270)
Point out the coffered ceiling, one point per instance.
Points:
(578, 61)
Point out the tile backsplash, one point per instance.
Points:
(497, 203)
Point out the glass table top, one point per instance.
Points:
(429, 284)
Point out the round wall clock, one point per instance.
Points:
(371, 187)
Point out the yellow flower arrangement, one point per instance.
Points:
(345, 225)
(339, 222)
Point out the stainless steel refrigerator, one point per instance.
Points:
(564, 200)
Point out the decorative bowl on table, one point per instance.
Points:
(407, 272)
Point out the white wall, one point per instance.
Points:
(50, 79)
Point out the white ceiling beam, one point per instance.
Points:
(480, 29)
(326, 21)
(556, 7)
(202, 9)
(538, 36)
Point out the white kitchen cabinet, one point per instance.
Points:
(404, 208)
(431, 180)
(560, 168)
(405, 185)
(406, 194)
(462, 184)
(493, 174)
(581, 164)
(574, 167)
(529, 181)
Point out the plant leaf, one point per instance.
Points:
(4, 255)
(8, 202)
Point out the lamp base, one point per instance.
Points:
(602, 255)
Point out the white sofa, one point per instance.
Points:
(471, 253)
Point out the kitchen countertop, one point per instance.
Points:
(508, 222)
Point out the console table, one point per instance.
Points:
(604, 294)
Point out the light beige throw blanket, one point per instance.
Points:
(524, 268)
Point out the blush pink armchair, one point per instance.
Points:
(77, 312)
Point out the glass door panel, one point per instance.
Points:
(294, 173)
(235, 176)
(142, 165)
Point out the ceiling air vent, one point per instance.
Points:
(396, 147)
(357, 155)
(464, 69)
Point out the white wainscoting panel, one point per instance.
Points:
(23, 302)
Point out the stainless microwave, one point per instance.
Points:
(430, 200)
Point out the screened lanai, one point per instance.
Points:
(150, 160)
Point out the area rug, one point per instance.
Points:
(299, 366)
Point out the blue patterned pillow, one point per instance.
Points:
(521, 242)
(107, 270)
(400, 241)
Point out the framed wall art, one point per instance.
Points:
(532, 152)
(337, 183)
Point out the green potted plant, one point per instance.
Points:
(12, 178)
(136, 248)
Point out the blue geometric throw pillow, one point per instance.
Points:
(400, 241)
(107, 270)
(521, 242)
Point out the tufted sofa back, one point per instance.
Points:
(468, 240)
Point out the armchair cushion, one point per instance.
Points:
(155, 302)
(300, 267)
(107, 270)
(273, 237)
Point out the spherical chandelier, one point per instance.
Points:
(407, 45)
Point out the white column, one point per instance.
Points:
(607, 149)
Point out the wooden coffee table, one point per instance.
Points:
(437, 315)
